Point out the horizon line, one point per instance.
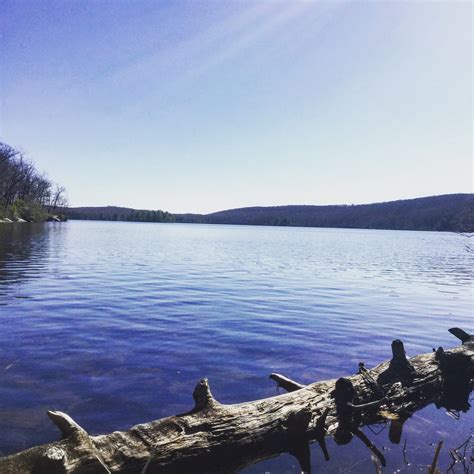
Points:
(277, 205)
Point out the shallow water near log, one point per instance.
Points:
(114, 323)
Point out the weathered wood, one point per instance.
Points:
(286, 383)
(223, 438)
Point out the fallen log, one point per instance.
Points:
(214, 437)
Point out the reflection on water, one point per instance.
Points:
(96, 316)
(384, 447)
(23, 255)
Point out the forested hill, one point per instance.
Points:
(451, 212)
(444, 213)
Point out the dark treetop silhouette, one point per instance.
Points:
(452, 212)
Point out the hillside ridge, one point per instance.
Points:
(448, 212)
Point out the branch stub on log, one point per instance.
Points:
(203, 397)
(65, 423)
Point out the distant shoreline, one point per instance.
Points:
(446, 213)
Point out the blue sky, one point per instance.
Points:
(206, 105)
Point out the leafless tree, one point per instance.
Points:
(58, 199)
(20, 180)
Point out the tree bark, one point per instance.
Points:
(214, 437)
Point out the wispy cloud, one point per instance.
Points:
(166, 69)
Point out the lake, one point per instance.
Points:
(114, 323)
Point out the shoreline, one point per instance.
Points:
(51, 218)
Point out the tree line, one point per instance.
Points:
(452, 212)
(113, 213)
(25, 192)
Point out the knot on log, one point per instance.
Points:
(202, 396)
(53, 461)
(55, 454)
(65, 423)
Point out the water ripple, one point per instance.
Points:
(115, 322)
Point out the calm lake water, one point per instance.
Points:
(114, 323)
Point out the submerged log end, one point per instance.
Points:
(65, 423)
(203, 397)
